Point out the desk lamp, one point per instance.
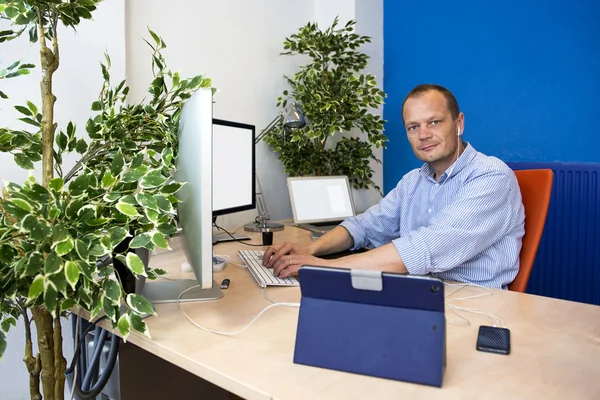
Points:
(292, 118)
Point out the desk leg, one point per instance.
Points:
(143, 375)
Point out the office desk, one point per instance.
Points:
(555, 346)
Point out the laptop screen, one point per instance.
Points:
(320, 199)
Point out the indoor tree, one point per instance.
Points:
(55, 234)
(335, 98)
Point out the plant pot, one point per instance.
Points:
(131, 283)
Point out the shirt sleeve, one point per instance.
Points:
(379, 224)
(486, 210)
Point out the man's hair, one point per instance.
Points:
(424, 88)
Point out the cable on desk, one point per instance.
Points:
(456, 309)
(229, 260)
(235, 332)
(264, 293)
(242, 241)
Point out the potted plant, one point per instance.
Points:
(335, 98)
(54, 233)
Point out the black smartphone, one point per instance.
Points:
(493, 340)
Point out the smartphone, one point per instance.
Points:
(493, 340)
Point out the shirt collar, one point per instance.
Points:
(464, 160)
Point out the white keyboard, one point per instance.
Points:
(263, 276)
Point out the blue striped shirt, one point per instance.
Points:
(466, 227)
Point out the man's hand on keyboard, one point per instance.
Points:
(287, 258)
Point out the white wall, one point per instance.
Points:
(369, 22)
(76, 85)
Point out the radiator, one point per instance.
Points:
(567, 265)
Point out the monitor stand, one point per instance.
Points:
(168, 291)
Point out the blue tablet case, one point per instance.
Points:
(372, 323)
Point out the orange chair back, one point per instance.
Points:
(536, 187)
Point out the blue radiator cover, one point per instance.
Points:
(567, 265)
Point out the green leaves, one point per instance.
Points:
(57, 184)
(153, 179)
(80, 185)
(50, 297)
(65, 247)
(112, 290)
(134, 175)
(36, 288)
(135, 264)
(82, 250)
(117, 164)
(146, 200)
(37, 229)
(171, 188)
(108, 180)
(160, 240)
(3, 342)
(117, 234)
(140, 240)
(139, 325)
(52, 264)
(127, 209)
(121, 183)
(336, 99)
(124, 325)
(139, 304)
(59, 234)
(72, 273)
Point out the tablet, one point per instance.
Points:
(372, 323)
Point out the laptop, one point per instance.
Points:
(320, 203)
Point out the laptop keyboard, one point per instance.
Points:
(263, 276)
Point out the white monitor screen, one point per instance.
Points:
(233, 167)
(320, 198)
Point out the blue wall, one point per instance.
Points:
(526, 75)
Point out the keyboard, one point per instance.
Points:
(263, 276)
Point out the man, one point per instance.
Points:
(459, 217)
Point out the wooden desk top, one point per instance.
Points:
(555, 344)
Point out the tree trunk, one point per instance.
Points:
(60, 364)
(34, 365)
(49, 60)
(45, 338)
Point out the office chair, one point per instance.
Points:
(536, 187)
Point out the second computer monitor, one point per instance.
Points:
(233, 167)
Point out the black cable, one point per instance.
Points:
(81, 341)
(93, 392)
(87, 378)
(237, 240)
(99, 339)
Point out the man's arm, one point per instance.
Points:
(287, 258)
(334, 241)
(384, 258)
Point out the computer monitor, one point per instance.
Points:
(234, 184)
(195, 167)
(233, 167)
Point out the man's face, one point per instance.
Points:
(431, 130)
